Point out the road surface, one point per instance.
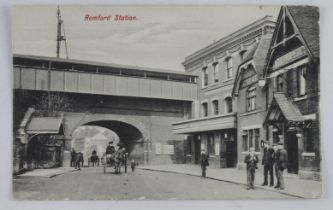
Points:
(92, 184)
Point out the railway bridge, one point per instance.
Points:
(138, 104)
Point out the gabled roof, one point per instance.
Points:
(283, 105)
(258, 55)
(307, 20)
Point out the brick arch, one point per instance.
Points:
(132, 133)
(130, 121)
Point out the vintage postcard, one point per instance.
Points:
(166, 102)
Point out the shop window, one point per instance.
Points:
(309, 143)
(211, 144)
(251, 138)
(256, 139)
(229, 68)
(251, 99)
(245, 147)
(216, 72)
(301, 86)
(189, 145)
(204, 109)
(228, 104)
(215, 106)
(204, 77)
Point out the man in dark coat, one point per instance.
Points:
(78, 160)
(251, 161)
(280, 165)
(110, 149)
(268, 163)
(73, 157)
(204, 163)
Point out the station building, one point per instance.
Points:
(291, 80)
(213, 123)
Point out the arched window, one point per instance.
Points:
(229, 67)
(204, 109)
(215, 72)
(204, 77)
(251, 99)
(241, 54)
(228, 104)
(215, 107)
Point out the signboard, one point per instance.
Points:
(168, 149)
(250, 80)
(158, 149)
(289, 57)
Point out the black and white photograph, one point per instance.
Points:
(161, 102)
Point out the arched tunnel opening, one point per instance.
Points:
(126, 135)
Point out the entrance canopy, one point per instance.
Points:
(282, 108)
(44, 125)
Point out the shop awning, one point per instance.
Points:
(284, 107)
(44, 125)
(220, 122)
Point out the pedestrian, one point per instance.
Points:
(251, 161)
(73, 156)
(77, 161)
(204, 163)
(280, 165)
(133, 164)
(268, 163)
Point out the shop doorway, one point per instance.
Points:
(230, 154)
(196, 150)
(292, 151)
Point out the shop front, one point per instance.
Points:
(216, 136)
(45, 142)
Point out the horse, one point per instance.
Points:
(94, 160)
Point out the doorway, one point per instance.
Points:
(230, 154)
(292, 151)
(196, 150)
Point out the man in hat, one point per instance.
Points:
(204, 162)
(268, 163)
(280, 165)
(110, 149)
(251, 161)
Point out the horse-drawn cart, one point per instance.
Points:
(115, 160)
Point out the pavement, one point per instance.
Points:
(49, 173)
(294, 186)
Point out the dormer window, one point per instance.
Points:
(251, 99)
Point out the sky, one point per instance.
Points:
(161, 37)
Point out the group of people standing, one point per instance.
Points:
(274, 159)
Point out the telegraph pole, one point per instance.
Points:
(60, 38)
